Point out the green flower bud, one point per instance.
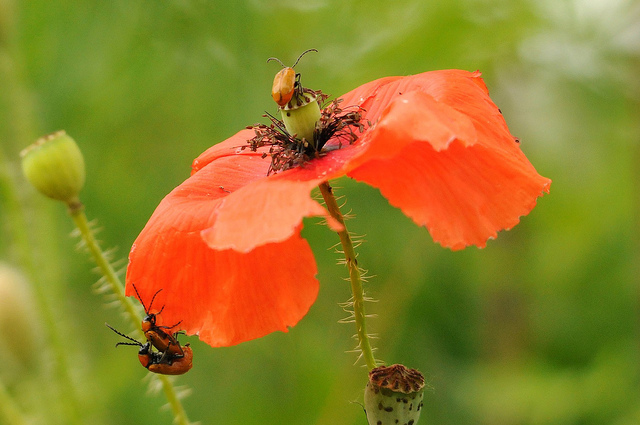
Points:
(54, 165)
(302, 117)
(394, 395)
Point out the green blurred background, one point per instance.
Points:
(540, 327)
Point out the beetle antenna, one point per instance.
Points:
(129, 343)
(139, 297)
(142, 302)
(276, 59)
(125, 336)
(302, 54)
(153, 298)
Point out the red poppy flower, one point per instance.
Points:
(225, 245)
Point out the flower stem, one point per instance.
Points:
(354, 276)
(76, 210)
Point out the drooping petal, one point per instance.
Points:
(267, 211)
(441, 152)
(224, 295)
(466, 195)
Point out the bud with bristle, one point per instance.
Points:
(55, 166)
(393, 395)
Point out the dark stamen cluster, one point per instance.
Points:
(287, 151)
(339, 123)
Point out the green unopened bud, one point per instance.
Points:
(302, 117)
(54, 165)
(393, 395)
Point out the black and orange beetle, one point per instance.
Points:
(156, 335)
(287, 82)
(163, 363)
(173, 365)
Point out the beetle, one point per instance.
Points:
(163, 363)
(174, 365)
(155, 334)
(286, 83)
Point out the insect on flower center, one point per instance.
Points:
(308, 122)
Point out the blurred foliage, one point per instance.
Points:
(540, 327)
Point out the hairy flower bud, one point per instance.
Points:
(394, 395)
(54, 165)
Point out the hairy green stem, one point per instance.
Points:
(354, 276)
(76, 210)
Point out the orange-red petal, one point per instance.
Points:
(463, 195)
(441, 151)
(225, 296)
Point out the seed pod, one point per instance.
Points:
(55, 166)
(394, 395)
(302, 117)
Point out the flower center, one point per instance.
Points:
(308, 123)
